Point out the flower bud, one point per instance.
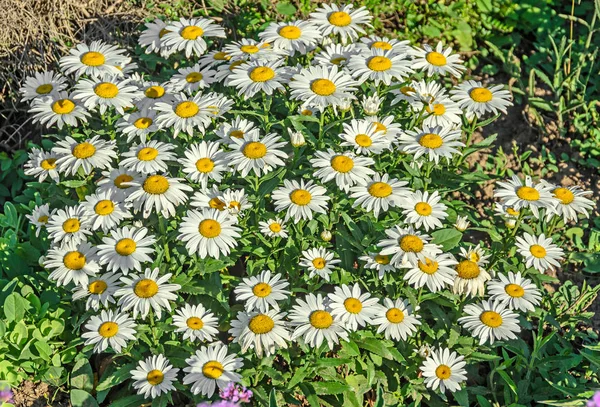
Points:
(462, 223)
(326, 235)
(296, 138)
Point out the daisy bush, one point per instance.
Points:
(292, 212)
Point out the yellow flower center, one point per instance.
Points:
(221, 56)
(236, 134)
(108, 329)
(84, 150)
(147, 154)
(194, 323)
(216, 203)
(106, 90)
(275, 227)
(155, 377)
(290, 32)
(187, 109)
(514, 290)
(491, 319)
(262, 74)
(145, 288)
(565, 195)
(261, 324)
(119, 180)
(321, 319)
(339, 18)
(512, 212)
(481, 95)
(209, 228)
(443, 372)
(473, 256)
(429, 267)
(74, 260)
(528, 194)
(306, 112)
(154, 92)
(255, 150)
(411, 244)
(394, 315)
(143, 123)
(163, 32)
(205, 165)
(191, 32)
(235, 64)
(467, 269)
(380, 189)
(338, 60)
(537, 251)
(44, 89)
(300, 197)
(104, 207)
(125, 246)
(363, 140)
(97, 287)
(322, 87)
(261, 290)
(156, 185)
(249, 49)
(212, 369)
(382, 259)
(423, 209)
(193, 77)
(438, 109)
(71, 225)
(379, 64)
(384, 45)
(431, 140)
(92, 58)
(353, 305)
(48, 164)
(407, 90)
(435, 58)
(342, 163)
(43, 219)
(319, 263)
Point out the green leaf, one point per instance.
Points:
(73, 183)
(82, 376)
(80, 398)
(298, 376)
(309, 393)
(380, 402)
(112, 379)
(332, 361)
(14, 307)
(375, 346)
(272, 399)
(326, 388)
(130, 401)
(447, 238)
(286, 9)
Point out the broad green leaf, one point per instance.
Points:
(82, 376)
(81, 398)
(447, 238)
(326, 388)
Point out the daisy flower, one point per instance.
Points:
(209, 198)
(476, 254)
(146, 291)
(315, 323)
(184, 113)
(153, 376)
(342, 21)
(300, 199)
(95, 60)
(159, 193)
(236, 201)
(104, 211)
(264, 332)
(444, 370)
(210, 367)
(407, 246)
(345, 168)
(213, 58)
(196, 322)
(203, 162)
(58, 108)
(440, 60)
(335, 54)
(379, 193)
(569, 202)
(490, 321)
(152, 93)
(397, 320)
(40, 215)
(262, 292)
(436, 272)
(371, 104)
(255, 77)
(69, 225)
(99, 290)
(374, 42)
(319, 262)
(209, 233)
(111, 328)
(148, 158)
(462, 223)
(442, 112)
(251, 50)
(72, 262)
(297, 139)
(352, 307)
(87, 155)
(273, 228)
(301, 36)
(126, 249)
(470, 278)
(238, 129)
(424, 209)
(189, 35)
(253, 153)
(539, 252)
(139, 124)
(476, 100)
(42, 84)
(322, 86)
(380, 66)
(386, 125)
(42, 164)
(151, 38)
(379, 262)
(105, 94)
(514, 291)
(192, 79)
(431, 142)
(117, 181)
(514, 194)
(364, 137)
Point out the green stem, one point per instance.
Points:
(163, 231)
